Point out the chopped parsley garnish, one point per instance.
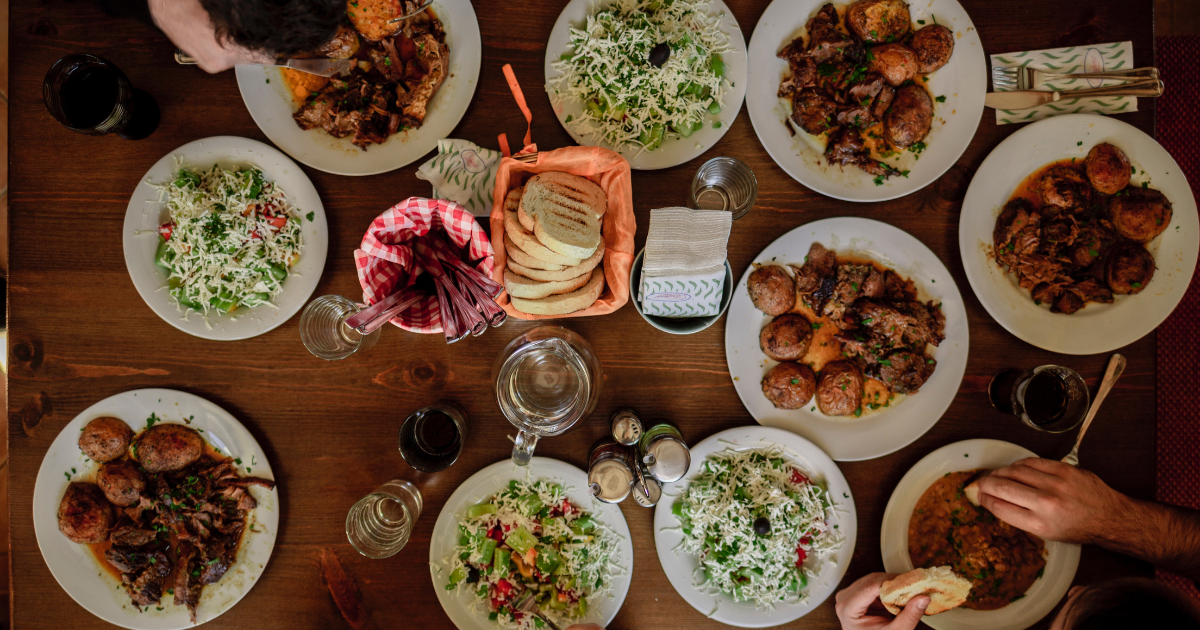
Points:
(940, 99)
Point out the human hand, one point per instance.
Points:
(858, 606)
(191, 30)
(1053, 500)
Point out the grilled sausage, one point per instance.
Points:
(121, 482)
(896, 63)
(1108, 168)
(879, 21)
(840, 389)
(772, 289)
(789, 385)
(910, 117)
(105, 438)
(84, 515)
(166, 447)
(1140, 214)
(933, 45)
(786, 338)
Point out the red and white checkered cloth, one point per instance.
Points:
(385, 260)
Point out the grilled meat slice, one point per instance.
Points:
(187, 591)
(128, 534)
(850, 279)
(819, 263)
(828, 45)
(130, 560)
(812, 111)
(904, 371)
(898, 288)
(846, 147)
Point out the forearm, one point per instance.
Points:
(1163, 535)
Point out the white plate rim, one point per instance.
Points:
(679, 150)
(1041, 598)
(1015, 311)
(678, 569)
(266, 105)
(875, 434)
(487, 482)
(144, 214)
(778, 24)
(220, 429)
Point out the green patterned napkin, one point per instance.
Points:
(463, 172)
(1094, 58)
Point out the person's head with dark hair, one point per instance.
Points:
(277, 27)
(1128, 603)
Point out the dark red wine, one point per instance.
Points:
(89, 96)
(1045, 398)
(431, 439)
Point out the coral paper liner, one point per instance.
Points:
(612, 173)
(385, 260)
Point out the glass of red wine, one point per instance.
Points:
(90, 95)
(431, 438)
(1049, 398)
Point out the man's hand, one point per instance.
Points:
(859, 608)
(1053, 500)
(191, 30)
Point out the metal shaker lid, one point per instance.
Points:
(653, 487)
(626, 427)
(667, 459)
(610, 480)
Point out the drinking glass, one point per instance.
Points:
(1049, 398)
(546, 380)
(724, 183)
(324, 331)
(379, 525)
(90, 95)
(431, 438)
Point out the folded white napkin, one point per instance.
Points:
(683, 271)
(463, 172)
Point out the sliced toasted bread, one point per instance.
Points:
(519, 256)
(565, 190)
(530, 289)
(564, 211)
(972, 492)
(565, 303)
(529, 243)
(566, 273)
(945, 588)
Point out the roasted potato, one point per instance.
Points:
(105, 438)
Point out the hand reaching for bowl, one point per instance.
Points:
(859, 608)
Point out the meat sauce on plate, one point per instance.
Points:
(1001, 561)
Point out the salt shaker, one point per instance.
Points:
(664, 453)
(626, 427)
(610, 472)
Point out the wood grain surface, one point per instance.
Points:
(79, 332)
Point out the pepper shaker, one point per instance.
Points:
(626, 427)
(664, 453)
(610, 472)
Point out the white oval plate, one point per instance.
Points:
(963, 81)
(79, 572)
(461, 605)
(271, 106)
(879, 432)
(681, 568)
(1061, 562)
(672, 152)
(1096, 328)
(146, 212)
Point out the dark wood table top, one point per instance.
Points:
(79, 332)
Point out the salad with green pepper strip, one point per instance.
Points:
(530, 537)
(230, 240)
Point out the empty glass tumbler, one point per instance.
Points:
(324, 331)
(380, 524)
(724, 183)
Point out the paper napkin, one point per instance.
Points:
(463, 172)
(683, 271)
(1094, 58)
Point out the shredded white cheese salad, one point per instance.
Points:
(230, 240)
(754, 520)
(531, 538)
(628, 100)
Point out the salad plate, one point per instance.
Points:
(878, 432)
(271, 105)
(1047, 591)
(961, 85)
(77, 569)
(674, 150)
(1096, 328)
(147, 212)
(684, 570)
(470, 611)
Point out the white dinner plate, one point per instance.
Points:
(147, 210)
(461, 604)
(271, 106)
(79, 572)
(1061, 559)
(875, 433)
(963, 81)
(1096, 328)
(682, 569)
(675, 151)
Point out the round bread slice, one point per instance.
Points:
(945, 588)
(530, 289)
(565, 273)
(564, 211)
(529, 243)
(565, 303)
(518, 256)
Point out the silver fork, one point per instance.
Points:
(1028, 78)
(1116, 365)
(528, 605)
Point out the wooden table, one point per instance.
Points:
(79, 332)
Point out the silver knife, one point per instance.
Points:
(318, 66)
(1033, 98)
